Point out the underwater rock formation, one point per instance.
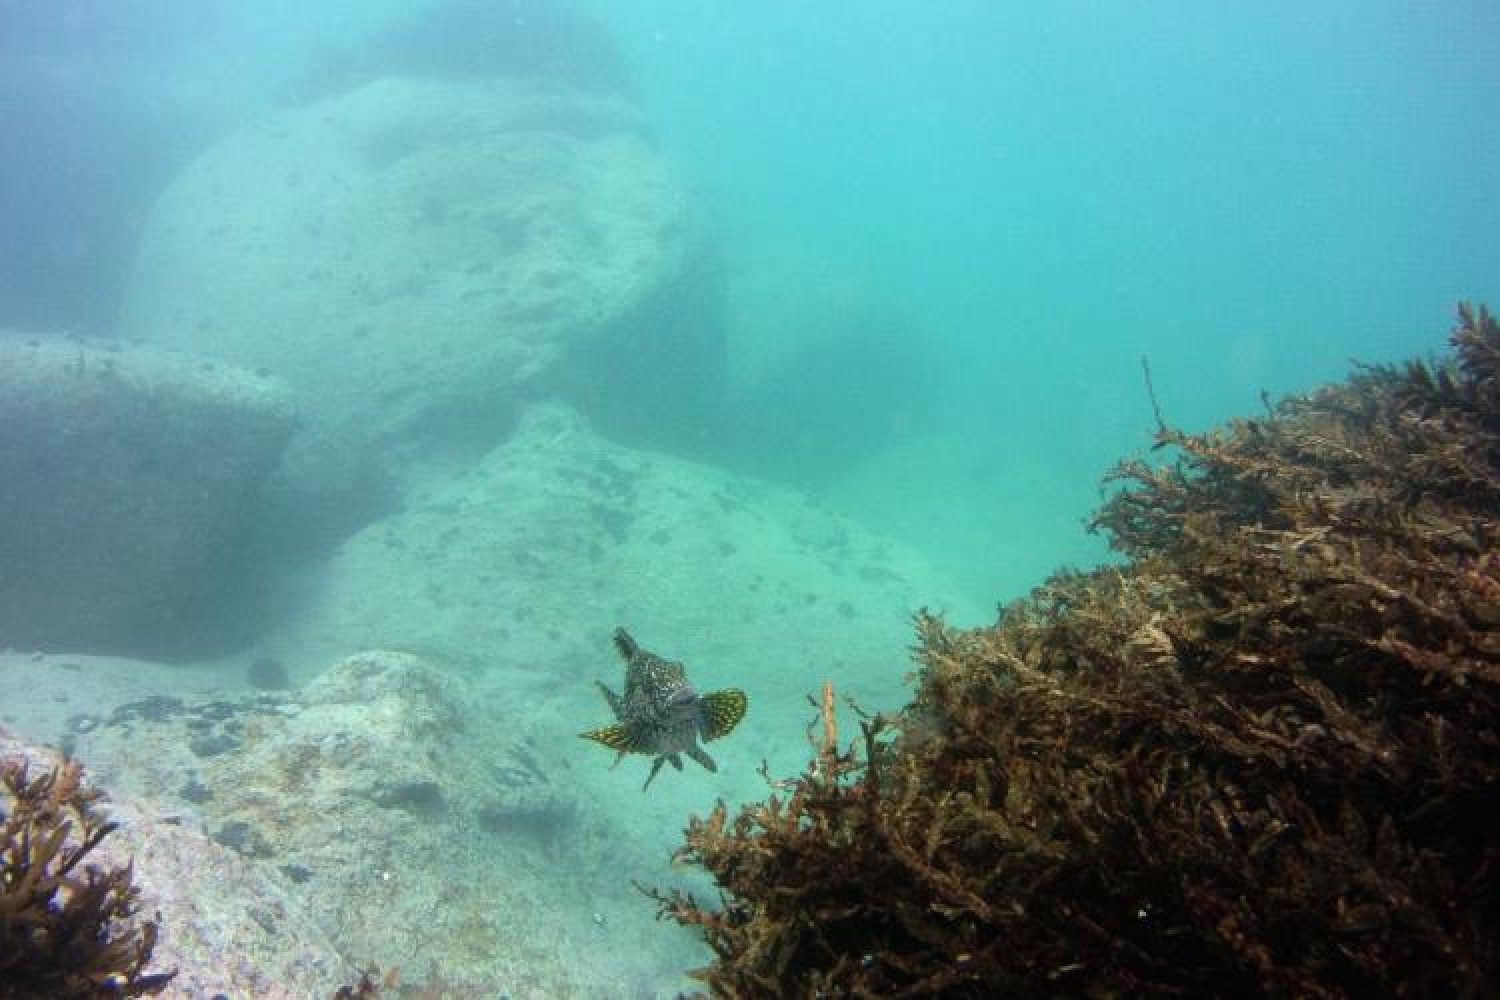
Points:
(360, 789)
(1259, 758)
(130, 477)
(411, 811)
(410, 253)
(374, 745)
(494, 567)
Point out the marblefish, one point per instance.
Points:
(661, 713)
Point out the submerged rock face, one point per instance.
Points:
(420, 821)
(129, 475)
(375, 788)
(559, 535)
(412, 251)
(378, 742)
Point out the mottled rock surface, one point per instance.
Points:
(424, 821)
(535, 555)
(516, 573)
(410, 252)
(129, 475)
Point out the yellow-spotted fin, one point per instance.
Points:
(722, 711)
(615, 736)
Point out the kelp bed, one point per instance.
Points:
(1258, 758)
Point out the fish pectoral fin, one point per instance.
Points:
(722, 711)
(616, 737)
(702, 757)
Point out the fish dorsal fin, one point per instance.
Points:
(626, 645)
(722, 711)
(616, 737)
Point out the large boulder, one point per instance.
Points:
(411, 252)
(130, 475)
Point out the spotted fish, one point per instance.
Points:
(661, 713)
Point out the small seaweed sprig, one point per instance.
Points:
(63, 923)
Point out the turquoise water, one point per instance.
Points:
(931, 244)
(1017, 201)
(1046, 192)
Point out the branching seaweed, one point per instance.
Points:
(65, 928)
(1260, 758)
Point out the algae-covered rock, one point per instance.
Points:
(130, 475)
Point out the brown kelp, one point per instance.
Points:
(1260, 757)
(65, 930)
